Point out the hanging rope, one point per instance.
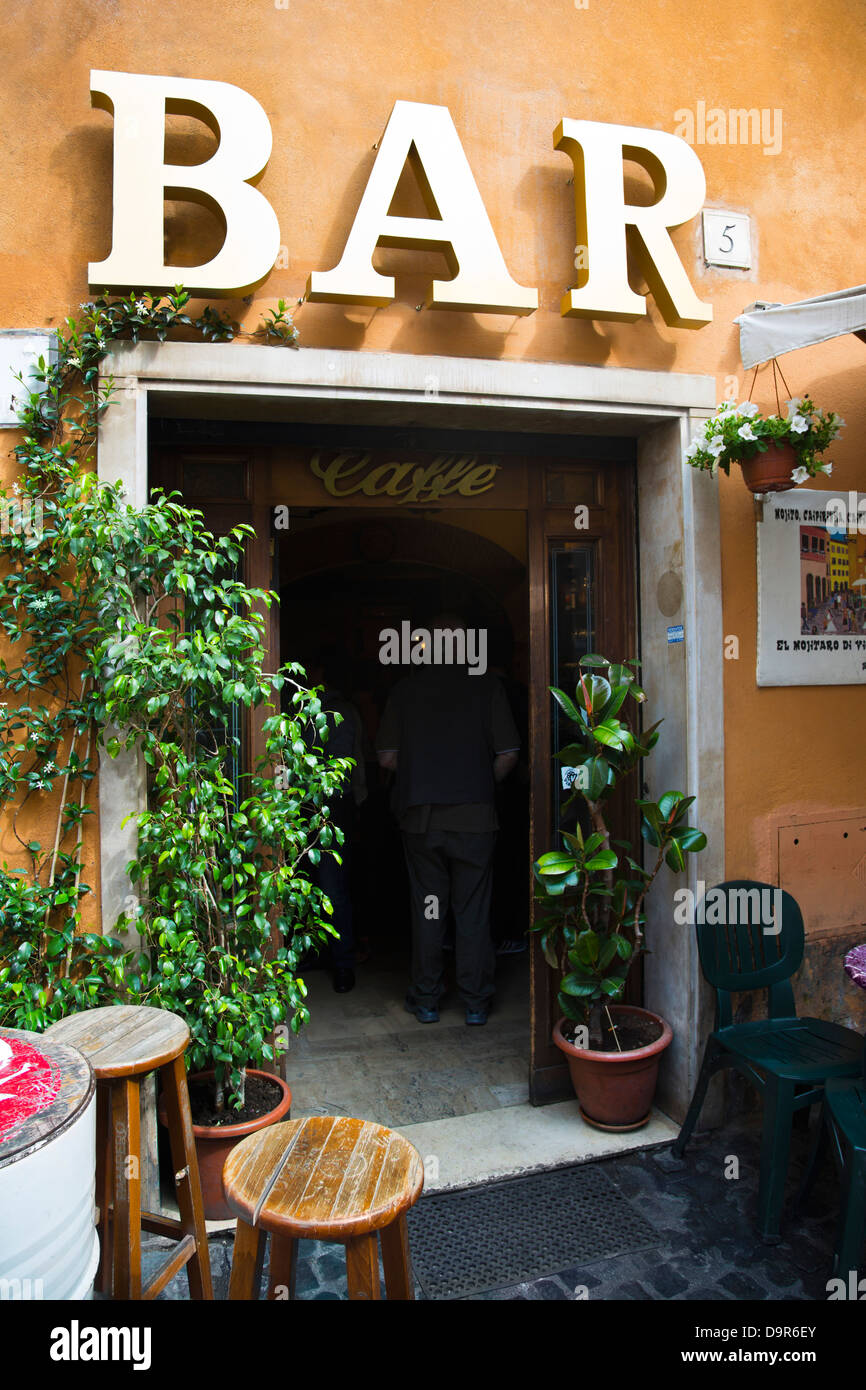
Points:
(777, 374)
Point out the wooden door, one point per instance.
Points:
(582, 599)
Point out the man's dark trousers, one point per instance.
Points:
(451, 868)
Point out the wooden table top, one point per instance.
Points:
(69, 1099)
(323, 1178)
(123, 1039)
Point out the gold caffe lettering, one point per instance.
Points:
(349, 473)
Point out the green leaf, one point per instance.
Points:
(607, 953)
(580, 989)
(587, 947)
(556, 861)
(605, 860)
(565, 704)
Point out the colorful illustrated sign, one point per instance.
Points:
(812, 590)
(29, 1083)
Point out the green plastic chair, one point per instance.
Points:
(843, 1122)
(786, 1057)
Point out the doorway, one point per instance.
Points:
(344, 580)
(532, 537)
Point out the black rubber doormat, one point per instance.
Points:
(511, 1232)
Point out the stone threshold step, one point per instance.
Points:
(464, 1150)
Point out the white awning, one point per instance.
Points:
(768, 332)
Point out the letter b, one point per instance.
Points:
(142, 182)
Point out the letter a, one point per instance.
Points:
(142, 182)
(597, 151)
(458, 224)
(389, 650)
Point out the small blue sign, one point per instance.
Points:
(675, 634)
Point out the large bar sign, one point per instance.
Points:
(457, 225)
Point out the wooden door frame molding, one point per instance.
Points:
(678, 540)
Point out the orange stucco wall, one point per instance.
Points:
(327, 74)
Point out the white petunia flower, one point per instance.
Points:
(799, 424)
(716, 447)
(694, 448)
(799, 475)
(727, 408)
(827, 468)
(747, 409)
(793, 405)
(746, 432)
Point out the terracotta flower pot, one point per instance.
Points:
(214, 1143)
(616, 1089)
(770, 472)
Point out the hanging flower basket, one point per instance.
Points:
(775, 452)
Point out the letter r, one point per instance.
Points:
(598, 151)
(142, 182)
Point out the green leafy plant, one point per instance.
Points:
(593, 890)
(77, 567)
(227, 906)
(738, 432)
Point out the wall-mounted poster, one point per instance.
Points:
(812, 589)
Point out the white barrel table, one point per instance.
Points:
(48, 1243)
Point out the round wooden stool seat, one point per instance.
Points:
(123, 1039)
(324, 1178)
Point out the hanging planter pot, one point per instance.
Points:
(775, 452)
(770, 472)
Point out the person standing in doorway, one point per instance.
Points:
(449, 735)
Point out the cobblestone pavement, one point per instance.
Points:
(707, 1244)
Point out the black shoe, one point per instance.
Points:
(478, 1016)
(344, 980)
(511, 947)
(422, 1014)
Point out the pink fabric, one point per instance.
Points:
(29, 1082)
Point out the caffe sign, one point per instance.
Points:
(457, 223)
(348, 474)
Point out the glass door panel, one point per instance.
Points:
(572, 617)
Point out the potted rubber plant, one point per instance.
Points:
(775, 452)
(591, 895)
(227, 907)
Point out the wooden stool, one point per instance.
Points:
(123, 1043)
(323, 1178)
